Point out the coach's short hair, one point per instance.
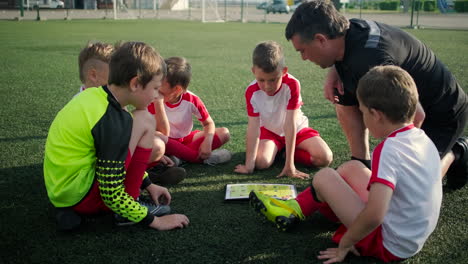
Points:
(317, 16)
(268, 56)
(132, 59)
(391, 90)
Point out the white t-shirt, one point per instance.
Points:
(180, 114)
(408, 162)
(272, 109)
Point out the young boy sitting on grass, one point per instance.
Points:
(388, 212)
(276, 120)
(180, 104)
(93, 64)
(96, 152)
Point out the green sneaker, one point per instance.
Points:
(284, 214)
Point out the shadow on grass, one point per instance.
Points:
(219, 232)
(17, 139)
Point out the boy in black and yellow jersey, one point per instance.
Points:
(96, 152)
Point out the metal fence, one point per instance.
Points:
(233, 11)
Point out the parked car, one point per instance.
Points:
(262, 5)
(278, 6)
(293, 7)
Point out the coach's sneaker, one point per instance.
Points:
(457, 174)
(154, 209)
(284, 214)
(218, 156)
(161, 174)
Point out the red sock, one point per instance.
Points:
(307, 202)
(174, 147)
(136, 170)
(214, 145)
(326, 211)
(189, 152)
(303, 157)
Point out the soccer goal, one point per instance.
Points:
(210, 11)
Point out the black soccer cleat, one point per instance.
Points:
(457, 174)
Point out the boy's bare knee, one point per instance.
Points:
(144, 118)
(351, 165)
(323, 160)
(261, 163)
(224, 134)
(323, 177)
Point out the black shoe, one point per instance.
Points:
(457, 174)
(161, 174)
(67, 219)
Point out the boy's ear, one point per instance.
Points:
(92, 75)
(133, 84)
(285, 70)
(178, 88)
(376, 114)
(253, 69)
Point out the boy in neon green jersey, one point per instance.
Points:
(96, 152)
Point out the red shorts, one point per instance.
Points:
(370, 246)
(187, 139)
(280, 141)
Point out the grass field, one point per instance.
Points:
(39, 74)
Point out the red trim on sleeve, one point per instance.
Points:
(198, 103)
(248, 97)
(295, 88)
(151, 108)
(375, 168)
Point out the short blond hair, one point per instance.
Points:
(91, 54)
(391, 90)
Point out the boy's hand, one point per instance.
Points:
(242, 169)
(159, 194)
(293, 173)
(333, 255)
(332, 84)
(169, 222)
(205, 150)
(166, 161)
(159, 97)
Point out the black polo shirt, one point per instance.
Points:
(369, 43)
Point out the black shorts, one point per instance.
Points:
(444, 133)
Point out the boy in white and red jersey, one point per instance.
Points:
(276, 120)
(180, 104)
(388, 212)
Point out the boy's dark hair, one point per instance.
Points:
(391, 90)
(317, 16)
(92, 53)
(132, 59)
(268, 56)
(179, 72)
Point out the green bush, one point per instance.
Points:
(461, 6)
(389, 5)
(429, 6)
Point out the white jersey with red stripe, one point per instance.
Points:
(408, 162)
(180, 114)
(272, 109)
